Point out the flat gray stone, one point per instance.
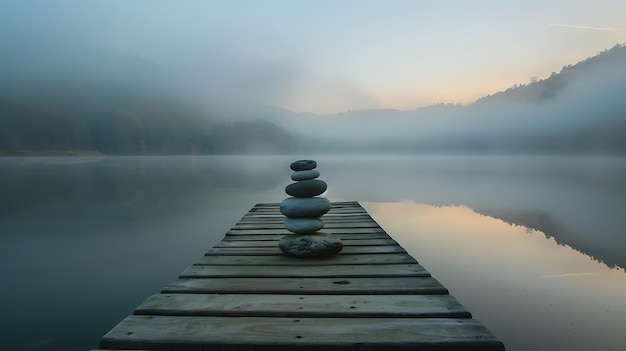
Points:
(306, 188)
(302, 165)
(310, 245)
(304, 206)
(305, 175)
(303, 225)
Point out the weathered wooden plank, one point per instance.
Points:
(274, 250)
(358, 222)
(281, 260)
(338, 271)
(274, 243)
(335, 204)
(398, 306)
(313, 286)
(327, 225)
(337, 214)
(280, 333)
(334, 207)
(251, 215)
(279, 222)
(354, 237)
(332, 210)
(277, 236)
(342, 213)
(325, 230)
(275, 219)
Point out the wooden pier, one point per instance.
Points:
(244, 294)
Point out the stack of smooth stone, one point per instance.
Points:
(303, 211)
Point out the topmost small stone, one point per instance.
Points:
(303, 165)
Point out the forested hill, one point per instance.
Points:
(51, 120)
(577, 111)
(64, 96)
(607, 62)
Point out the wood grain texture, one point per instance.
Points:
(331, 212)
(245, 294)
(262, 251)
(284, 231)
(279, 333)
(389, 306)
(316, 286)
(330, 219)
(328, 215)
(320, 261)
(274, 242)
(327, 225)
(342, 236)
(337, 271)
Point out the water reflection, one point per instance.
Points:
(577, 201)
(530, 291)
(84, 240)
(153, 184)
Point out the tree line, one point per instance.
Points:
(134, 130)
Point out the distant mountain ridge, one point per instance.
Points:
(579, 110)
(541, 90)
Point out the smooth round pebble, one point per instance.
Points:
(304, 206)
(305, 175)
(306, 188)
(303, 225)
(302, 165)
(310, 245)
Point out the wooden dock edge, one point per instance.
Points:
(245, 294)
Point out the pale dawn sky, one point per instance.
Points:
(332, 56)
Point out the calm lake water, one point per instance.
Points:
(535, 248)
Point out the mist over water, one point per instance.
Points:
(575, 111)
(85, 240)
(209, 101)
(515, 201)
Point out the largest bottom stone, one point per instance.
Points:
(310, 245)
